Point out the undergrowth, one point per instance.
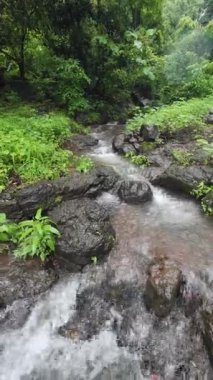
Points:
(180, 114)
(30, 144)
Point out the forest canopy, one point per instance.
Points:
(97, 55)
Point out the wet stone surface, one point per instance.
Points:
(162, 286)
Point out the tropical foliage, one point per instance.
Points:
(87, 54)
(34, 237)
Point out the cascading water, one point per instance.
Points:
(129, 343)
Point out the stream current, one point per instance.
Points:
(147, 348)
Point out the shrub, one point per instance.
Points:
(36, 237)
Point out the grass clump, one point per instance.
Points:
(175, 116)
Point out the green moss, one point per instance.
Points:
(58, 200)
(182, 156)
(148, 146)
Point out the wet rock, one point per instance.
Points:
(128, 148)
(46, 194)
(149, 132)
(126, 368)
(102, 303)
(179, 178)
(31, 198)
(124, 144)
(137, 147)
(135, 191)
(9, 205)
(162, 286)
(15, 315)
(86, 185)
(85, 232)
(118, 143)
(86, 140)
(109, 178)
(80, 142)
(133, 140)
(207, 316)
(22, 279)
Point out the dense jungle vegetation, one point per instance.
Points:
(91, 61)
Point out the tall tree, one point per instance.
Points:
(17, 19)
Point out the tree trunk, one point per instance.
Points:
(21, 63)
(22, 70)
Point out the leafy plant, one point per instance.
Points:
(183, 157)
(83, 164)
(206, 207)
(36, 237)
(8, 231)
(139, 160)
(200, 192)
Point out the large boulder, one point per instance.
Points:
(134, 191)
(149, 132)
(46, 194)
(179, 178)
(39, 195)
(80, 142)
(86, 232)
(21, 279)
(162, 286)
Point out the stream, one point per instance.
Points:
(129, 343)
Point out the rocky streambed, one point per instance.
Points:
(142, 309)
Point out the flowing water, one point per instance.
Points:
(127, 343)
